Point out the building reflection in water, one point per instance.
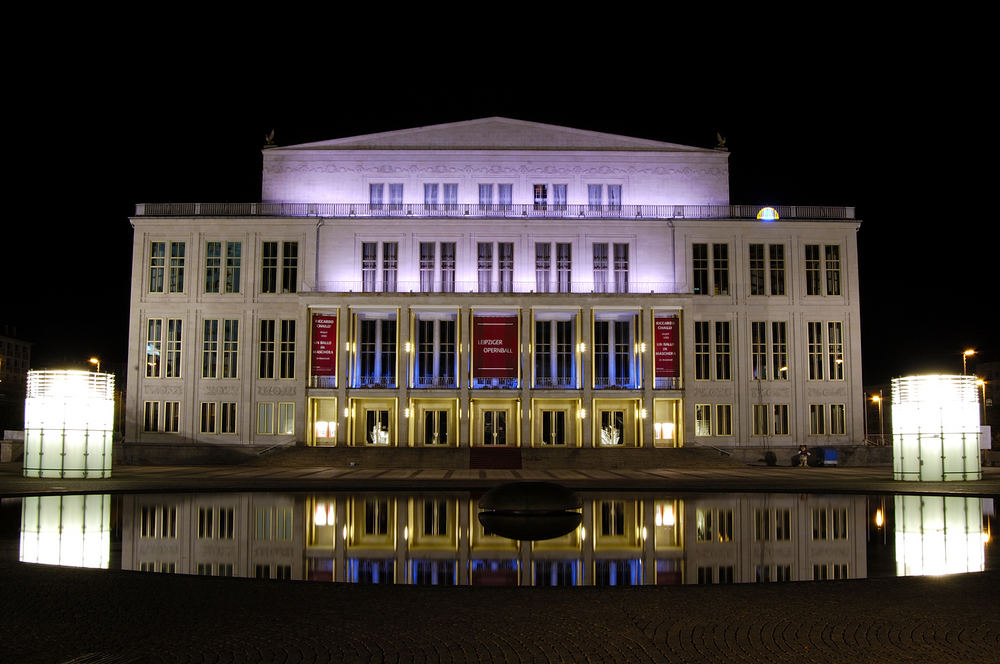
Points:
(624, 539)
(71, 531)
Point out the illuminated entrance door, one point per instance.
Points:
(377, 427)
(612, 427)
(435, 427)
(553, 427)
(494, 427)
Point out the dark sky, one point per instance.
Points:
(907, 159)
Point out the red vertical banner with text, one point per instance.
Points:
(495, 353)
(665, 358)
(324, 345)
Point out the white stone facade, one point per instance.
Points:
(580, 241)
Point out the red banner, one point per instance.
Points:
(494, 340)
(665, 364)
(324, 345)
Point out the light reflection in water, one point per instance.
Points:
(435, 538)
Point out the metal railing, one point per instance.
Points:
(494, 288)
(496, 211)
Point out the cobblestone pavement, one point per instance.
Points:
(99, 617)
(52, 614)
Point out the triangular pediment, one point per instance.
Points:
(494, 133)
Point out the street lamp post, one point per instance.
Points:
(966, 354)
(877, 400)
(96, 362)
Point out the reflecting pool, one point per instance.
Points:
(436, 538)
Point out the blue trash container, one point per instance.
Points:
(829, 457)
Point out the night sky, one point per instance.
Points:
(905, 159)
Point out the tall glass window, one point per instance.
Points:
(176, 273)
(447, 267)
(157, 265)
(543, 266)
(564, 266)
(600, 267)
(699, 267)
(776, 263)
(832, 269)
(757, 269)
(505, 263)
(369, 265)
(621, 268)
(426, 267)
(485, 266)
(390, 262)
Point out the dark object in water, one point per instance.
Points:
(529, 510)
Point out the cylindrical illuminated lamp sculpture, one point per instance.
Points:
(939, 535)
(68, 422)
(72, 531)
(935, 428)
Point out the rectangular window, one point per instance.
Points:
(815, 350)
(485, 266)
(554, 353)
(151, 416)
(612, 518)
(269, 267)
(154, 346)
(705, 575)
(704, 525)
(376, 516)
(157, 265)
(564, 267)
(612, 427)
(595, 196)
(780, 419)
(720, 268)
(757, 269)
(450, 195)
(376, 354)
(486, 194)
(171, 416)
(369, 264)
(375, 194)
(614, 195)
(702, 419)
(817, 419)
(430, 196)
(266, 350)
(206, 525)
(702, 351)
(173, 363)
(812, 270)
(287, 349)
(832, 269)
(230, 348)
(699, 267)
(723, 351)
(210, 349)
(779, 350)
(621, 268)
(835, 349)
(559, 196)
(228, 419)
(600, 267)
(390, 265)
(758, 350)
(175, 277)
(760, 420)
(505, 265)
(723, 419)
(208, 414)
(158, 521)
(286, 418)
(505, 194)
(614, 360)
(543, 266)
(213, 267)
(396, 196)
(265, 418)
(838, 419)
(434, 362)
(784, 573)
(447, 267)
(776, 263)
(289, 267)
(427, 267)
(234, 258)
(541, 196)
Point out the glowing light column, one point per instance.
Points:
(939, 535)
(68, 422)
(935, 428)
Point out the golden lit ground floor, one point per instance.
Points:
(556, 421)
